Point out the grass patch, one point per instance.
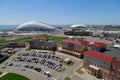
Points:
(13, 76)
(19, 54)
(58, 39)
(69, 64)
(62, 69)
(67, 78)
(79, 71)
(28, 49)
(27, 39)
(13, 59)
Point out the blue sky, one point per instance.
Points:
(60, 11)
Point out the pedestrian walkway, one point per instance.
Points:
(4, 73)
(85, 75)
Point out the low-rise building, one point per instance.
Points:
(67, 60)
(98, 46)
(3, 57)
(43, 43)
(16, 45)
(103, 64)
(74, 48)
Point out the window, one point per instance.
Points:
(111, 78)
(118, 68)
(113, 72)
(91, 63)
(113, 66)
(98, 66)
(98, 60)
(90, 57)
(104, 63)
(118, 75)
(101, 62)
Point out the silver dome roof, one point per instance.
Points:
(78, 25)
(35, 24)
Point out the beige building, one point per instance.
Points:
(43, 43)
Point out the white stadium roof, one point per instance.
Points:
(77, 25)
(35, 24)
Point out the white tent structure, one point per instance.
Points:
(35, 26)
(78, 26)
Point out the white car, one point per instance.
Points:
(116, 46)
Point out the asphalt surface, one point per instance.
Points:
(33, 75)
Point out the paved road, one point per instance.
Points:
(70, 69)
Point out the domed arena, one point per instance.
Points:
(78, 26)
(35, 26)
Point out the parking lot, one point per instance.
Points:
(25, 67)
(42, 58)
(42, 64)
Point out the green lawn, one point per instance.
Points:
(28, 49)
(67, 78)
(13, 76)
(58, 39)
(27, 39)
(62, 69)
(69, 64)
(79, 70)
(19, 54)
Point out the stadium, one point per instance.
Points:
(35, 26)
(78, 26)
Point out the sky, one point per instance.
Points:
(60, 11)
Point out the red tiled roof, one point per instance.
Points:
(98, 55)
(76, 42)
(98, 44)
(45, 39)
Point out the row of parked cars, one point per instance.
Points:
(26, 59)
(42, 61)
(42, 55)
(51, 65)
(24, 67)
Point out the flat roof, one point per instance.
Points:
(76, 42)
(113, 52)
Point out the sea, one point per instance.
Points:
(13, 27)
(8, 27)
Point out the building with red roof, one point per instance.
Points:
(102, 64)
(16, 45)
(76, 42)
(97, 64)
(42, 39)
(99, 56)
(98, 46)
(43, 44)
(74, 48)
